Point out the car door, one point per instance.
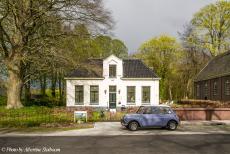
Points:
(155, 117)
(163, 116)
(146, 119)
(151, 117)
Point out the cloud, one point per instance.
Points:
(140, 20)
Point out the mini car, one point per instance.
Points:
(151, 116)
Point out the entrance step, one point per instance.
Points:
(113, 110)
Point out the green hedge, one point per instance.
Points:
(2, 100)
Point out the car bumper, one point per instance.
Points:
(123, 123)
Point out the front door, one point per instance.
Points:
(112, 97)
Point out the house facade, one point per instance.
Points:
(112, 83)
(213, 81)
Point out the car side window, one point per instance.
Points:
(154, 110)
(148, 110)
(167, 110)
(164, 110)
(141, 110)
(161, 110)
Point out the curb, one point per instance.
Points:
(205, 123)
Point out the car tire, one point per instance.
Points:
(172, 125)
(133, 126)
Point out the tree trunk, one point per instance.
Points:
(14, 84)
(170, 93)
(61, 88)
(43, 85)
(53, 85)
(27, 92)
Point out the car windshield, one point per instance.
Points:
(141, 110)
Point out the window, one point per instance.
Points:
(141, 110)
(144, 110)
(215, 89)
(112, 71)
(131, 94)
(94, 94)
(146, 95)
(206, 89)
(198, 90)
(164, 110)
(227, 88)
(148, 110)
(79, 95)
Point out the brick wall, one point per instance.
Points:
(203, 113)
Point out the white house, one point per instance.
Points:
(112, 83)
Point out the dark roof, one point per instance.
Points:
(132, 68)
(135, 68)
(92, 68)
(217, 67)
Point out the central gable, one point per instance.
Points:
(115, 61)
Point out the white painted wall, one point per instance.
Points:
(106, 82)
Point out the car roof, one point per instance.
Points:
(161, 105)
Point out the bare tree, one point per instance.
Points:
(27, 27)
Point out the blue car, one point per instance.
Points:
(151, 116)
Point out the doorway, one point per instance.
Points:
(112, 97)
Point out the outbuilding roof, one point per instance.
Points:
(132, 68)
(217, 67)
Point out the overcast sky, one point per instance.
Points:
(140, 20)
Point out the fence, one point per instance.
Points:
(33, 117)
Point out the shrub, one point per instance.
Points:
(3, 100)
(95, 116)
(44, 101)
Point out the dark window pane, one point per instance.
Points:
(94, 94)
(227, 88)
(112, 97)
(79, 95)
(141, 110)
(198, 90)
(155, 110)
(112, 88)
(131, 94)
(206, 89)
(148, 110)
(112, 70)
(146, 95)
(215, 89)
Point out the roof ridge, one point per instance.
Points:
(214, 66)
(131, 59)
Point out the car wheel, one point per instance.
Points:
(172, 125)
(133, 126)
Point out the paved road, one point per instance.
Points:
(144, 144)
(115, 128)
